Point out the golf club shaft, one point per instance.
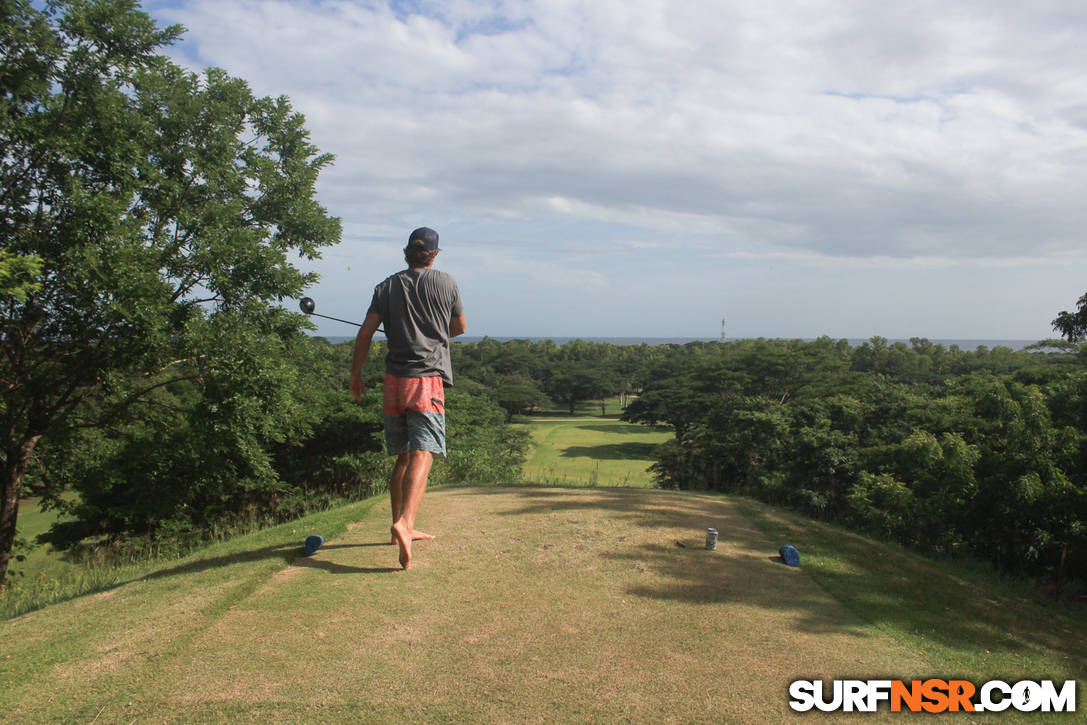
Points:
(337, 319)
(307, 305)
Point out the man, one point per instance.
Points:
(421, 309)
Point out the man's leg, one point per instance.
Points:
(396, 493)
(412, 486)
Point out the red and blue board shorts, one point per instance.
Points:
(414, 415)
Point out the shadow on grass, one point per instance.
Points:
(564, 415)
(613, 452)
(334, 568)
(946, 601)
(113, 576)
(307, 562)
(290, 555)
(286, 554)
(877, 583)
(684, 570)
(625, 428)
(354, 546)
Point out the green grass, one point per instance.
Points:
(592, 452)
(533, 605)
(56, 579)
(588, 449)
(976, 623)
(40, 559)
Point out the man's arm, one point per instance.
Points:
(457, 326)
(362, 349)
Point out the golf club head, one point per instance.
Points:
(307, 305)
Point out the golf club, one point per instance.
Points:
(307, 305)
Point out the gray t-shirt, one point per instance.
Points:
(416, 306)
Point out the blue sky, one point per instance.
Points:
(644, 168)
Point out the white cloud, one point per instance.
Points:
(823, 130)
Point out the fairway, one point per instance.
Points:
(592, 451)
(533, 605)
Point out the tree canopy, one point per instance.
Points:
(1073, 325)
(148, 219)
(978, 453)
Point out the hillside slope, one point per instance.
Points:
(569, 605)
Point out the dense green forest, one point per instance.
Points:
(950, 451)
(981, 453)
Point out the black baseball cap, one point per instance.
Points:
(427, 236)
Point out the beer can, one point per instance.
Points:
(711, 538)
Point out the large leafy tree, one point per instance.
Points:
(155, 209)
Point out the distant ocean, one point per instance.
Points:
(963, 344)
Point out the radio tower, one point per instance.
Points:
(722, 329)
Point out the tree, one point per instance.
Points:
(217, 451)
(676, 398)
(163, 207)
(1073, 325)
(572, 381)
(515, 393)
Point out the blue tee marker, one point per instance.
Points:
(313, 543)
(790, 555)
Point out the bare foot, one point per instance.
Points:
(403, 540)
(416, 535)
